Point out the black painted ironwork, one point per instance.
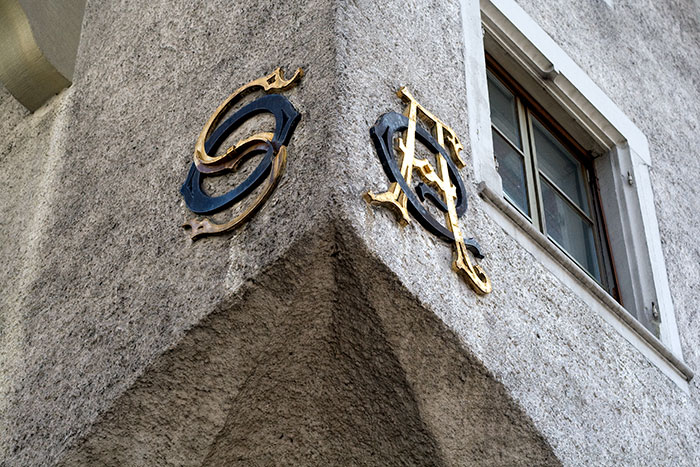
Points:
(383, 133)
(286, 119)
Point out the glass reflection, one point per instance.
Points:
(512, 171)
(560, 166)
(569, 229)
(503, 110)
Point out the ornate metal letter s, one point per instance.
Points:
(271, 145)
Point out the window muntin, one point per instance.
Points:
(569, 229)
(547, 178)
(559, 166)
(511, 165)
(507, 145)
(504, 112)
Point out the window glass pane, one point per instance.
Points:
(569, 229)
(503, 110)
(560, 166)
(512, 171)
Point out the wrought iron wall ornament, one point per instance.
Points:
(442, 187)
(271, 145)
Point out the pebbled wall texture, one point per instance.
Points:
(322, 332)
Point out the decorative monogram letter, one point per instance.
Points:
(442, 187)
(272, 147)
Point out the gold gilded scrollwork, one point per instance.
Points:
(272, 145)
(273, 82)
(439, 180)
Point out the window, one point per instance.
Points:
(540, 205)
(548, 177)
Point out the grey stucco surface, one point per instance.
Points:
(315, 364)
(646, 57)
(27, 141)
(116, 280)
(322, 322)
(593, 394)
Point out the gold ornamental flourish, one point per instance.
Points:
(395, 199)
(244, 148)
(207, 226)
(273, 82)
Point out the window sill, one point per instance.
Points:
(535, 242)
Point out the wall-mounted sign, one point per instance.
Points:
(443, 187)
(272, 146)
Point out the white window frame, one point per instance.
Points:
(623, 171)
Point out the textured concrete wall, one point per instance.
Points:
(646, 57)
(593, 395)
(30, 145)
(115, 280)
(322, 332)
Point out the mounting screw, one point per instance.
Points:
(655, 311)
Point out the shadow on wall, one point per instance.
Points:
(38, 46)
(325, 359)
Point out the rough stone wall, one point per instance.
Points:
(592, 395)
(29, 147)
(325, 360)
(121, 340)
(645, 55)
(114, 279)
